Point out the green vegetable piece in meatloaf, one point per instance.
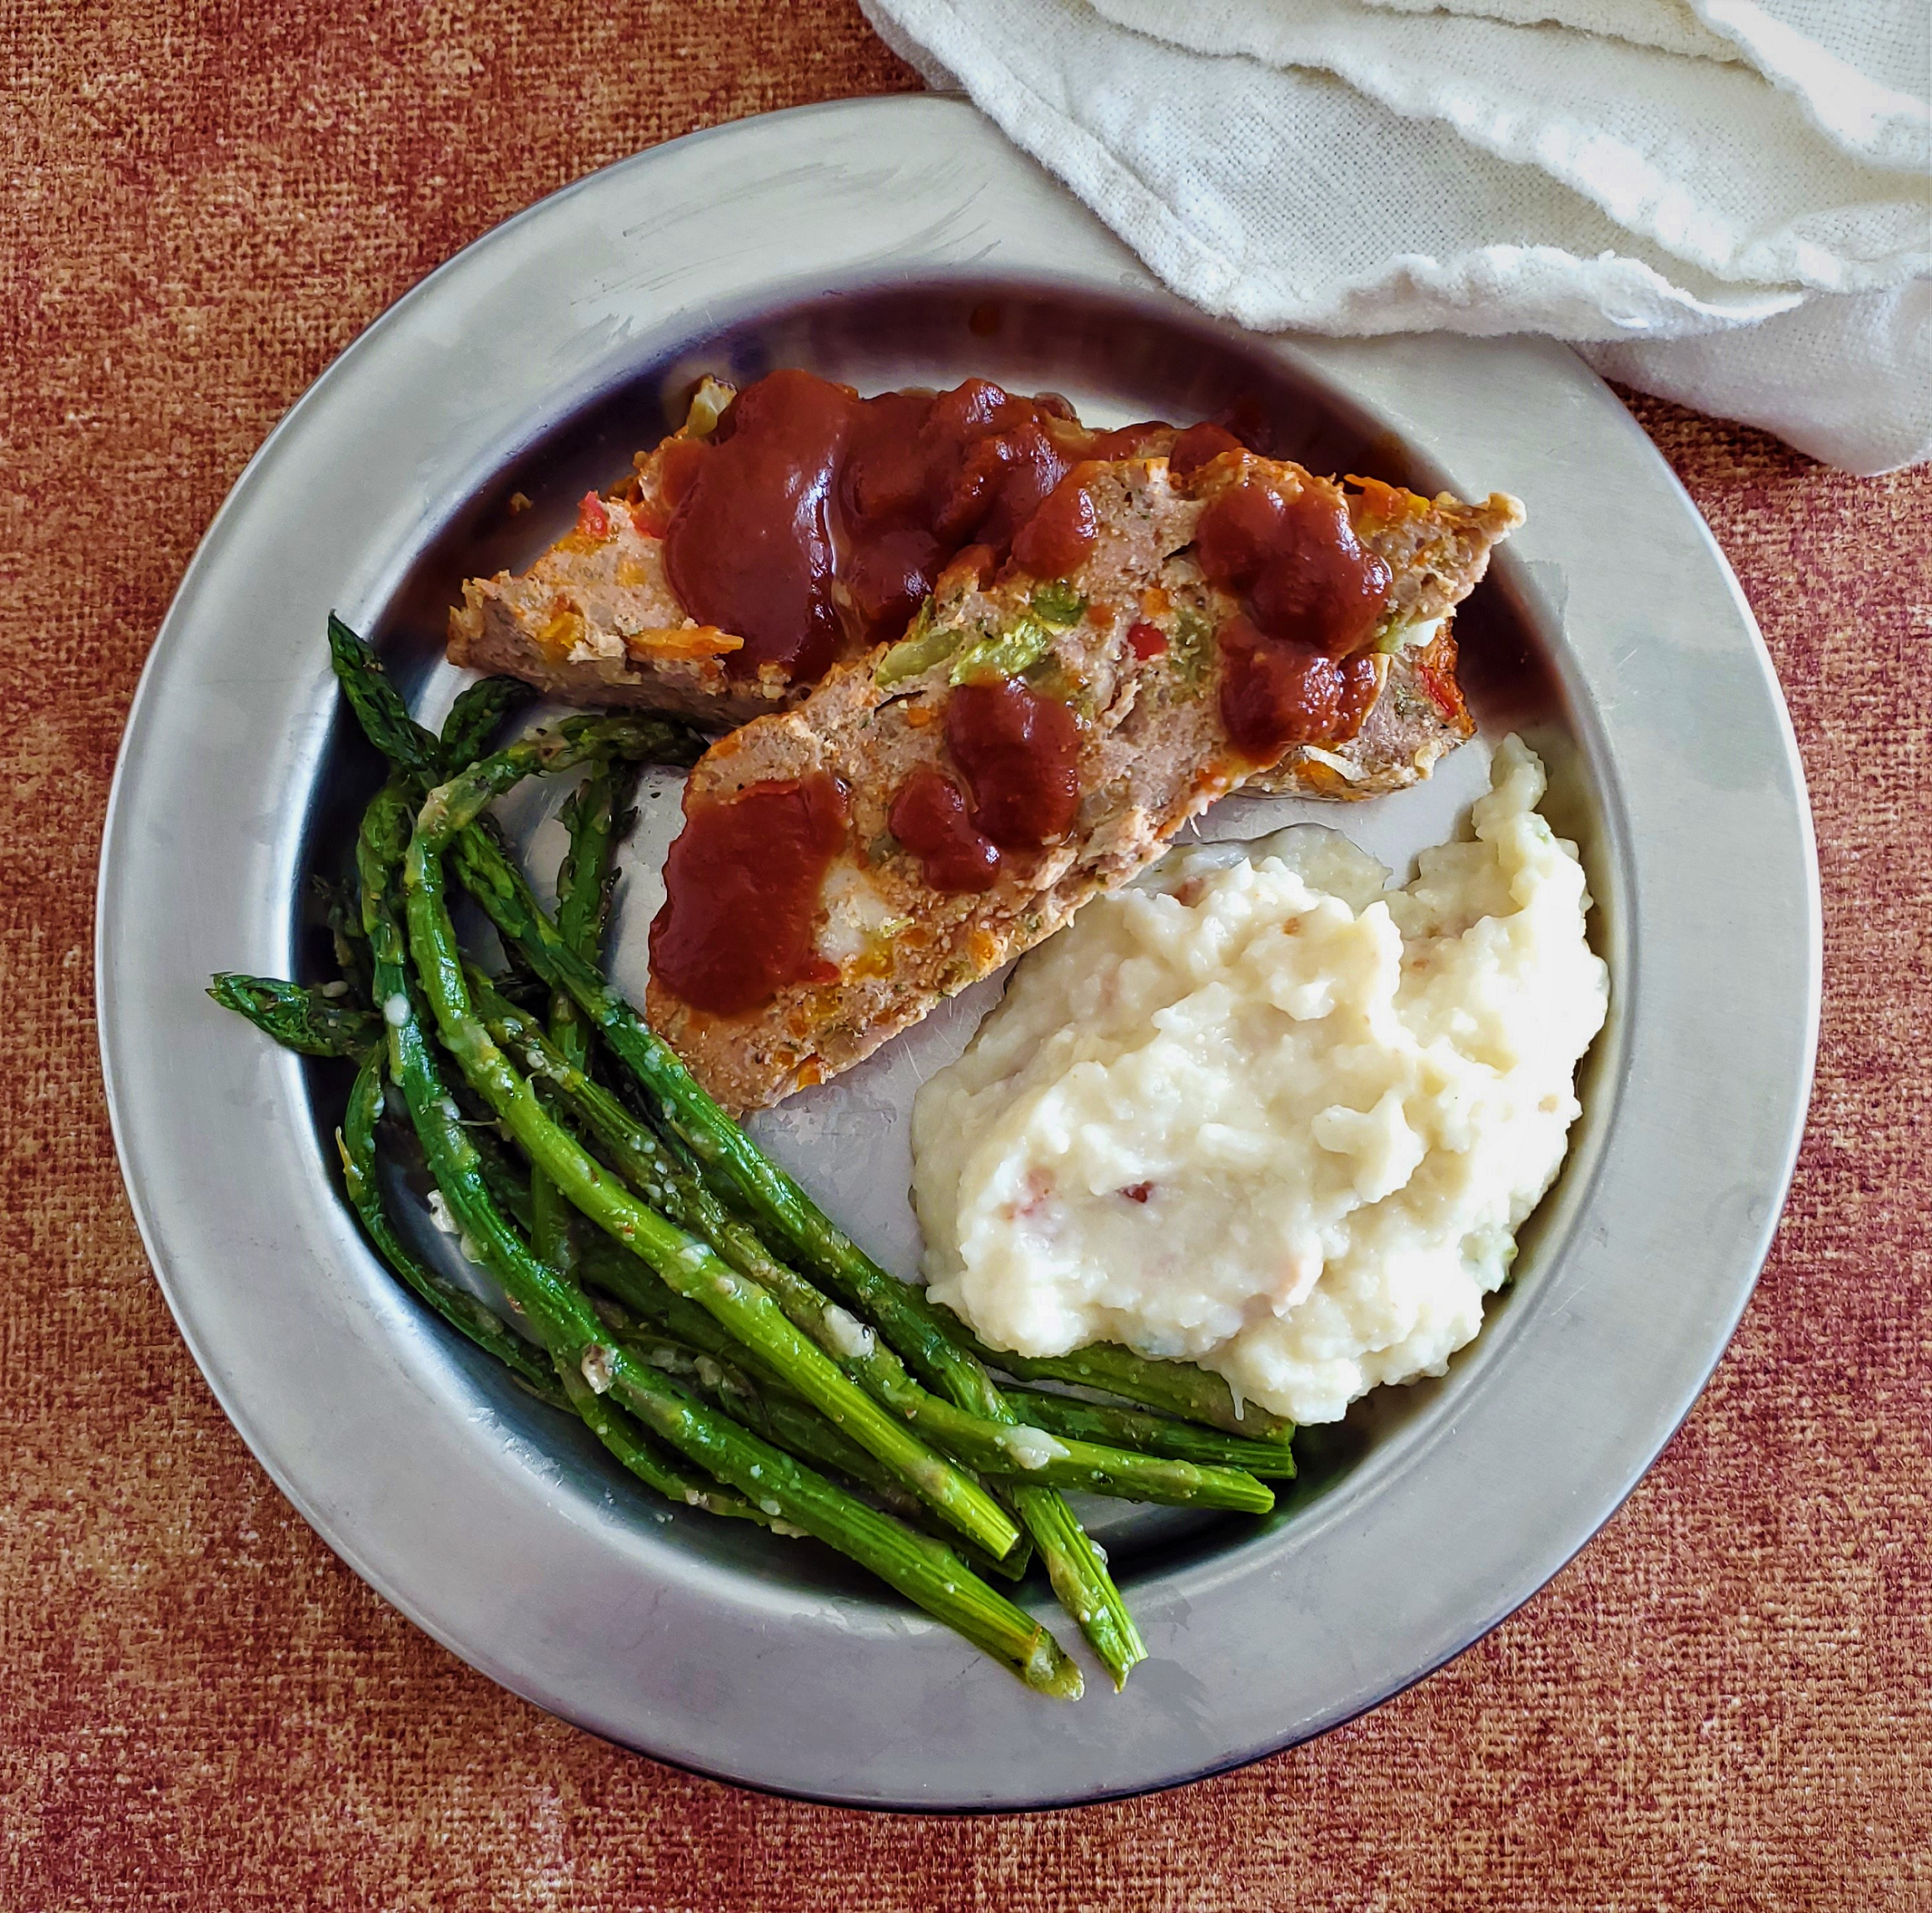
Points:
(1190, 647)
(1058, 603)
(917, 652)
(1021, 645)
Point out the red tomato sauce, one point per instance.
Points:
(742, 882)
(930, 817)
(1020, 754)
(813, 522)
(1292, 667)
(1275, 695)
(1061, 534)
(1198, 444)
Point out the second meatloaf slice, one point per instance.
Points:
(932, 811)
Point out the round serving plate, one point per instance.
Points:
(893, 242)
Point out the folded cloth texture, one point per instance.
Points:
(1725, 201)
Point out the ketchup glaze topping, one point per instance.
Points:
(1312, 595)
(930, 817)
(1020, 754)
(740, 917)
(1061, 534)
(814, 521)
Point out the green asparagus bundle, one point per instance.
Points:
(741, 1355)
(591, 1364)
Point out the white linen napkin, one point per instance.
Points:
(1725, 201)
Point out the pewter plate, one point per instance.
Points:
(895, 242)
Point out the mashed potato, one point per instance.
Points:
(1268, 1114)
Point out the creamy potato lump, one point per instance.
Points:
(1268, 1114)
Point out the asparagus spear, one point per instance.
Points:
(356, 1143)
(622, 1438)
(1170, 1388)
(772, 1411)
(748, 1311)
(782, 1419)
(583, 897)
(1156, 1434)
(298, 1016)
(479, 709)
(561, 1315)
(992, 1447)
(385, 722)
(550, 1231)
(381, 712)
(344, 916)
(595, 821)
(634, 735)
(916, 1331)
(625, 1278)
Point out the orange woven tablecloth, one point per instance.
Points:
(1723, 1703)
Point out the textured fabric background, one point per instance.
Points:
(1722, 1704)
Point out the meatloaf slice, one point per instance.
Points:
(1130, 643)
